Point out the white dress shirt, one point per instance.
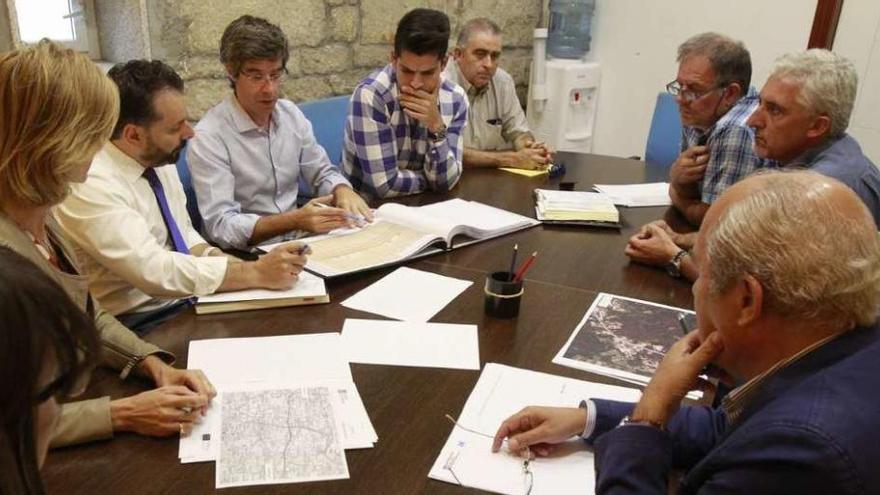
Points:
(122, 241)
(241, 171)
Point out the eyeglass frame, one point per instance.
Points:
(260, 78)
(675, 89)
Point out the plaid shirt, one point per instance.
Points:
(731, 148)
(388, 153)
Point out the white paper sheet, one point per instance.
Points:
(437, 345)
(273, 435)
(234, 363)
(408, 295)
(651, 194)
(500, 392)
(308, 285)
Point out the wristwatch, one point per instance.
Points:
(673, 268)
(440, 135)
(653, 424)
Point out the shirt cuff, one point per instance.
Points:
(233, 231)
(590, 424)
(328, 185)
(83, 421)
(211, 272)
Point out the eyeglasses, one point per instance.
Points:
(259, 78)
(688, 95)
(528, 477)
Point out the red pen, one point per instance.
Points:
(525, 266)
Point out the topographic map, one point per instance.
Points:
(280, 436)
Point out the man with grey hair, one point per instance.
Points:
(715, 99)
(805, 109)
(497, 134)
(787, 301)
(251, 150)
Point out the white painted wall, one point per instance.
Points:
(636, 40)
(858, 38)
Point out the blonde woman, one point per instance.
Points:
(56, 111)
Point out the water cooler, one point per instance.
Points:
(563, 90)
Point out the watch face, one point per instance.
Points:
(673, 269)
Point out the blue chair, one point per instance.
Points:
(327, 116)
(665, 135)
(192, 205)
(328, 123)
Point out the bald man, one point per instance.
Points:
(794, 330)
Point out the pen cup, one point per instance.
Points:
(503, 295)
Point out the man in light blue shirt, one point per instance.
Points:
(250, 151)
(805, 108)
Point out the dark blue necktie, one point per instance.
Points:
(176, 237)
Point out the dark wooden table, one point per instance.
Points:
(406, 405)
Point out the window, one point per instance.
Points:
(69, 22)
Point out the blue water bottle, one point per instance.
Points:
(569, 32)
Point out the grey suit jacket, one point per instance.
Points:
(86, 420)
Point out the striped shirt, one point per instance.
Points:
(731, 148)
(387, 153)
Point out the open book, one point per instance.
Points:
(576, 208)
(403, 232)
(309, 289)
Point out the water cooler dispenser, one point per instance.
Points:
(564, 87)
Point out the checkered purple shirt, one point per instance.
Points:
(388, 153)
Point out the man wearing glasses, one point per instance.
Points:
(715, 100)
(251, 150)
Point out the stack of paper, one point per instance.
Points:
(309, 289)
(438, 345)
(502, 391)
(623, 338)
(408, 294)
(652, 194)
(575, 207)
(308, 371)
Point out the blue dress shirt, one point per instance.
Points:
(241, 171)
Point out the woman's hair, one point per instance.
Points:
(39, 326)
(56, 109)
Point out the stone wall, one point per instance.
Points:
(334, 43)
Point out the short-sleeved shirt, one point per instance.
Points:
(241, 171)
(731, 145)
(843, 159)
(495, 117)
(388, 153)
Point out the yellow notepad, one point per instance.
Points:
(522, 171)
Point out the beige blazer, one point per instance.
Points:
(86, 420)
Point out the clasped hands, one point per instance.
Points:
(174, 407)
(541, 429)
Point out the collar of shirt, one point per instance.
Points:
(128, 167)
(243, 122)
(741, 397)
(809, 156)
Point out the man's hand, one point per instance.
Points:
(422, 106)
(677, 375)
(280, 268)
(684, 241)
(321, 219)
(539, 428)
(344, 197)
(529, 159)
(161, 412)
(690, 166)
(651, 246)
